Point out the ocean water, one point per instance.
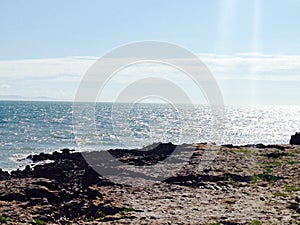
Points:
(33, 127)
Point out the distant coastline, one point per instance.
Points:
(24, 98)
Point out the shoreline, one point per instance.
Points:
(243, 184)
(27, 161)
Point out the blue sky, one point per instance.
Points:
(56, 41)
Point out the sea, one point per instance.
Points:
(31, 127)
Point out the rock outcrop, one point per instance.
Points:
(260, 182)
(295, 139)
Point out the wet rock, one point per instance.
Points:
(67, 151)
(146, 156)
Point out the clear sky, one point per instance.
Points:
(251, 46)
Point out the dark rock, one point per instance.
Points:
(56, 153)
(193, 180)
(295, 139)
(275, 154)
(50, 184)
(40, 157)
(237, 178)
(48, 172)
(230, 146)
(4, 175)
(280, 147)
(110, 210)
(229, 223)
(67, 151)
(149, 155)
(27, 168)
(90, 177)
(42, 192)
(260, 146)
(13, 196)
(92, 194)
(70, 189)
(72, 209)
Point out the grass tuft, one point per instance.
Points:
(265, 177)
(4, 219)
(129, 210)
(292, 188)
(255, 222)
(39, 222)
(280, 194)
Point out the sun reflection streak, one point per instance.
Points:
(226, 26)
(256, 44)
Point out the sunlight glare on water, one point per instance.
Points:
(33, 127)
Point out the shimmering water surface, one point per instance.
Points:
(33, 127)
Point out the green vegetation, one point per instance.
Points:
(274, 154)
(297, 151)
(278, 154)
(246, 151)
(255, 178)
(98, 216)
(255, 222)
(292, 188)
(273, 163)
(280, 194)
(228, 177)
(90, 219)
(289, 154)
(268, 170)
(128, 210)
(246, 193)
(4, 219)
(293, 162)
(265, 177)
(39, 222)
(269, 178)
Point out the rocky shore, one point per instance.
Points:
(252, 184)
